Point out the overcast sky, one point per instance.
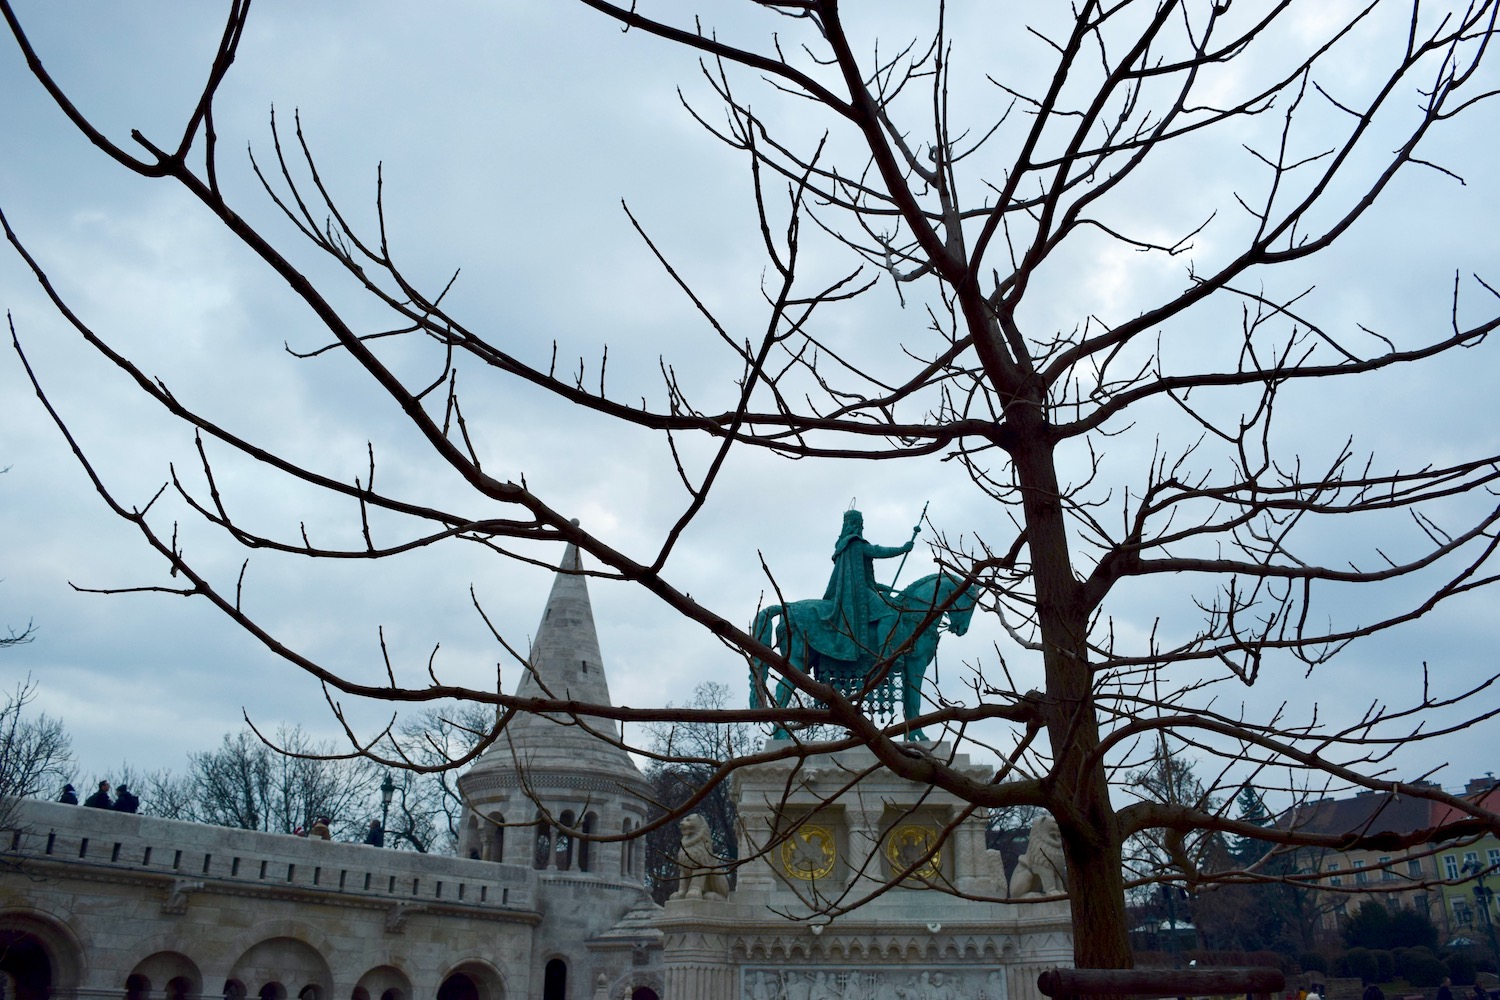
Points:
(509, 134)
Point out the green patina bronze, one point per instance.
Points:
(866, 640)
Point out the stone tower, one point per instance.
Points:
(548, 775)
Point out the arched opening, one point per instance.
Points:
(458, 987)
(137, 987)
(589, 819)
(497, 837)
(278, 961)
(359, 993)
(386, 982)
(235, 990)
(178, 972)
(564, 846)
(472, 839)
(25, 965)
(627, 848)
(643, 993)
(555, 980)
(543, 854)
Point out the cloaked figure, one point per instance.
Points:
(855, 598)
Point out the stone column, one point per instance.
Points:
(753, 835)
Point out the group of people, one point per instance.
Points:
(1444, 992)
(125, 801)
(319, 829)
(375, 837)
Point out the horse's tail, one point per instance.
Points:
(764, 631)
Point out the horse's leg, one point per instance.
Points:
(786, 645)
(913, 671)
(760, 671)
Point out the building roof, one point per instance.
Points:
(1367, 813)
(1370, 813)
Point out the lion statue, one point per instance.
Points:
(700, 872)
(1039, 872)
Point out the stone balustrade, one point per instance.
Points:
(47, 833)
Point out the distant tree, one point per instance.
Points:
(248, 784)
(929, 208)
(13, 636)
(1251, 806)
(688, 757)
(36, 752)
(36, 759)
(426, 810)
(1373, 925)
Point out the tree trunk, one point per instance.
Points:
(1080, 793)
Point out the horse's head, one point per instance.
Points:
(962, 610)
(937, 590)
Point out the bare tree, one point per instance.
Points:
(1128, 448)
(686, 758)
(250, 784)
(427, 810)
(14, 636)
(36, 757)
(36, 752)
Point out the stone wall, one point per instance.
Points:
(95, 898)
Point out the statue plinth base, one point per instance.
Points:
(821, 909)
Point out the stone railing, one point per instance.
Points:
(49, 833)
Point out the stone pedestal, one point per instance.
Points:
(821, 910)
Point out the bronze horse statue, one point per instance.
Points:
(800, 632)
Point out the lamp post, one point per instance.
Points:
(387, 792)
(1482, 896)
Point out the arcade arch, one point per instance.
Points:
(472, 980)
(38, 956)
(279, 967)
(178, 975)
(384, 982)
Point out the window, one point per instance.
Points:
(1386, 875)
(542, 850)
(564, 846)
(1336, 879)
(1450, 866)
(584, 845)
(1360, 875)
(1492, 857)
(1414, 868)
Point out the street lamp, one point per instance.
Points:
(387, 792)
(1482, 896)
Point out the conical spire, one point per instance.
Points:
(565, 663)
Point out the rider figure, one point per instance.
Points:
(852, 590)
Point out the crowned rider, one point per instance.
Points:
(852, 591)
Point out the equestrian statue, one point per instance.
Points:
(862, 628)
